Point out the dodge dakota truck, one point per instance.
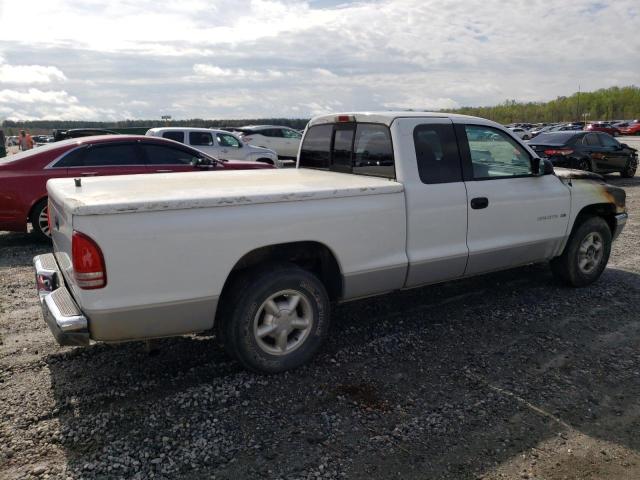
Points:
(378, 202)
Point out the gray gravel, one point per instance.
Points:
(509, 375)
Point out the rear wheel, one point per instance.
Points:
(277, 318)
(586, 254)
(585, 164)
(630, 170)
(39, 221)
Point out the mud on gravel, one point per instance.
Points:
(509, 375)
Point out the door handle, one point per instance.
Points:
(479, 202)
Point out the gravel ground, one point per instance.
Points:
(509, 375)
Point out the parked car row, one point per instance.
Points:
(527, 131)
(23, 176)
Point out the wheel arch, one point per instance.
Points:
(605, 210)
(313, 256)
(33, 206)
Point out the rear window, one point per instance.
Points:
(553, 138)
(363, 148)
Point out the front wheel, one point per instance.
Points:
(586, 254)
(630, 170)
(39, 220)
(277, 319)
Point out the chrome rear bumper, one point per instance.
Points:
(621, 220)
(61, 313)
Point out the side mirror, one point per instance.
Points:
(201, 162)
(542, 167)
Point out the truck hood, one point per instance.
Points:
(174, 191)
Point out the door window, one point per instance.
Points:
(287, 133)
(591, 139)
(608, 141)
(437, 154)
(111, 155)
(200, 139)
(225, 140)
(272, 132)
(164, 155)
(172, 135)
(494, 154)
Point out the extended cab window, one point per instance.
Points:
(177, 136)
(362, 148)
(437, 154)
(200, 139)
(494, 154)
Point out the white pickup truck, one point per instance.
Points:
(378, 202)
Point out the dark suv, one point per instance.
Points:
(592, 151)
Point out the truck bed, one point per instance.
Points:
(175, 191)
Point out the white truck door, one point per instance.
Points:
(436, 199)
(515, 217)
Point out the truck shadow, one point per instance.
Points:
(445, 381)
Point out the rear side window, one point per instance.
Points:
(363, 148)
(437, 154)
(204, 139)
(177, 136)
(111, 155)
(72, 159)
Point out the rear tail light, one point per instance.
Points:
(88, 263)
(563, 152)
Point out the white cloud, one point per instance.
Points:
(222, 58)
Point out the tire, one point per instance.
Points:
(261, 332)
(38, 219)
(586, 254)
(585, 164)
(630, 171)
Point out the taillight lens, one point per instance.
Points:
(562, 152)
(88, 263)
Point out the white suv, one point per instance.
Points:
(217, 143)
(284, 140)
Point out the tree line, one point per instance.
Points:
(615, 103)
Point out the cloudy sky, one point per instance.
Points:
(118, 59)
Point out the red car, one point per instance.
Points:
(631, 129)
(603, 127)
(23, 177)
